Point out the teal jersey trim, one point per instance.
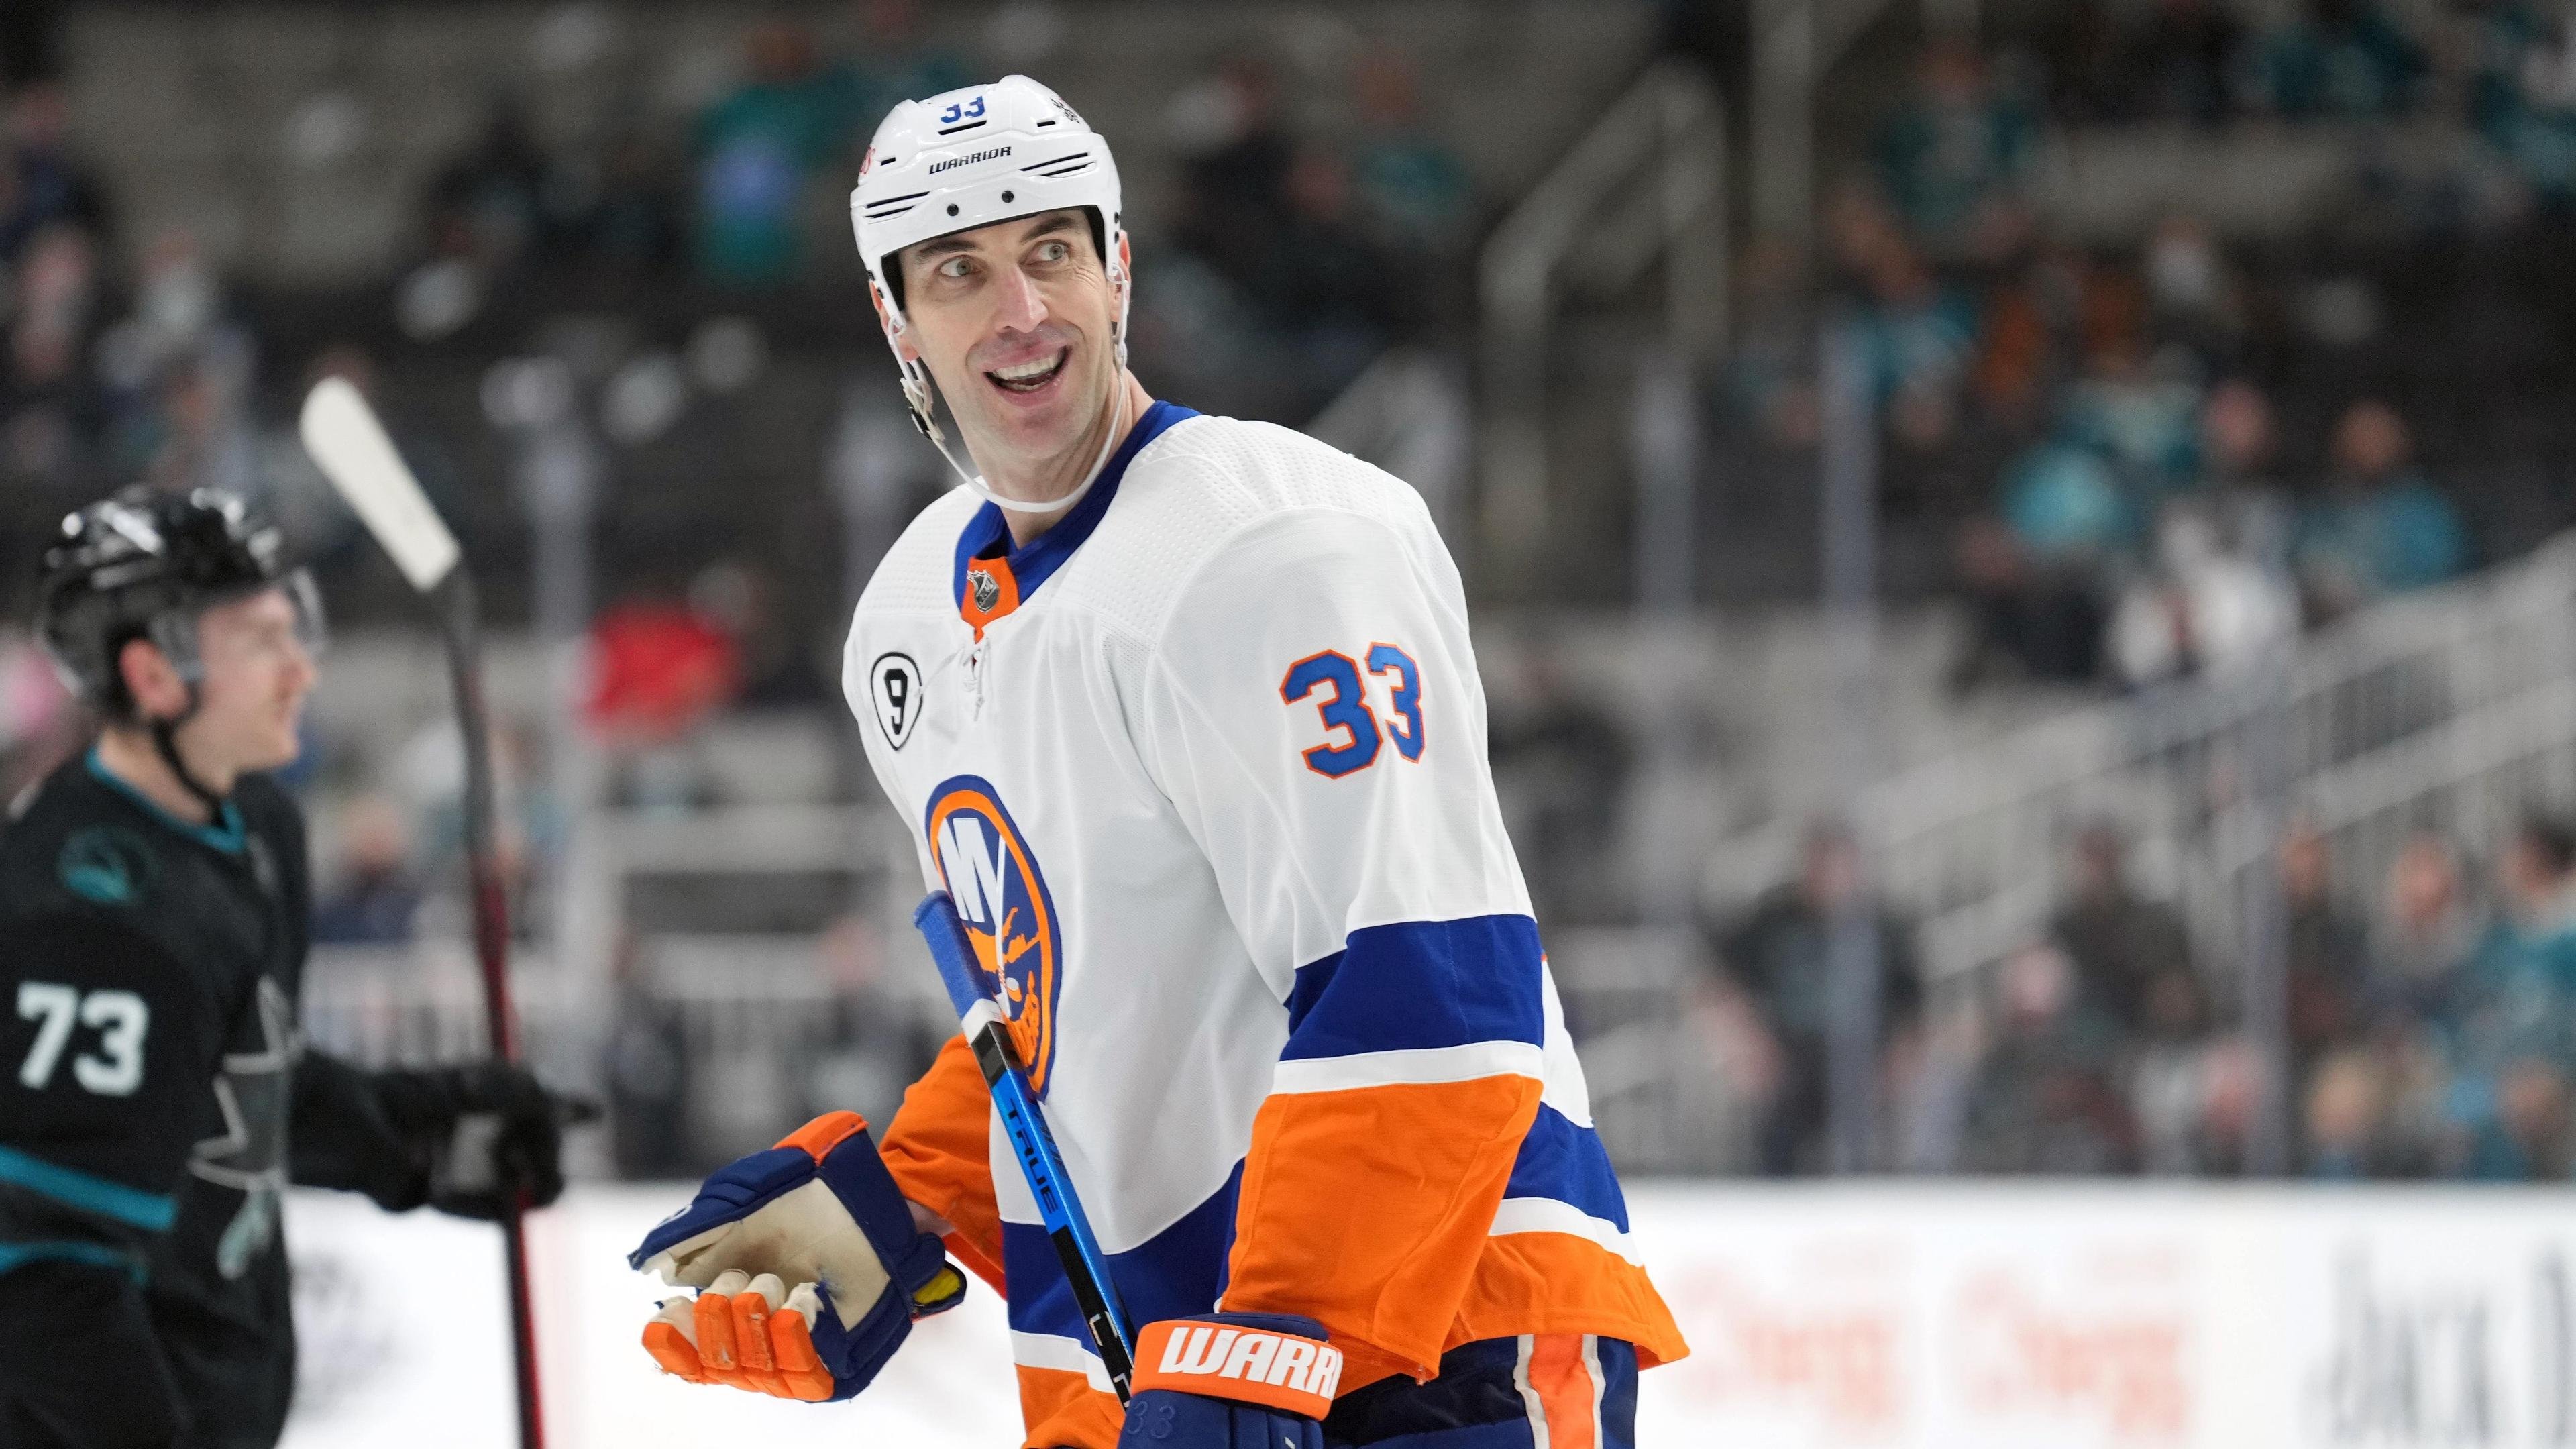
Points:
(93, 1255)
(229, 839)
(131, 1206)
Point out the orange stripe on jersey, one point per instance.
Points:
(1366, 1209)
(939, 1146)
(1063, 1411)
(1559, 1283)
(1568, 1399)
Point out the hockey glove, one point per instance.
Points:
(481, 1135)
(1232, 1381)
(809, 1265)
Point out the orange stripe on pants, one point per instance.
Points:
(1568, 1395)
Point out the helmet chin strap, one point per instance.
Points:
(165, 742)
(918, 394)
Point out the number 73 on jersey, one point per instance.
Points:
(1354, 733)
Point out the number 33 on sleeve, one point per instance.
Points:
(1353, 732)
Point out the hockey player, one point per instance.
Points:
(154, 1099)
(1183, 713)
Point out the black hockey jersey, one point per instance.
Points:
(153, 1091)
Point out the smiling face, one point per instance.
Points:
(1016, 322)
(250, 695)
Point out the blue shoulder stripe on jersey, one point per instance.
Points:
(131, 1206)
(1419, 984)
(1178, 1270)
(1562, 1161)
(987, 534)
(229, 839)
(94, 1255)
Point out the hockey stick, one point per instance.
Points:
(1085, 1266)
(342, 434)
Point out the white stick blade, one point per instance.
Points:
(342, 434)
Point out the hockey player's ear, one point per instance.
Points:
(151, 681)
(897, 337)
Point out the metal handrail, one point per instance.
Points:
(2490, 680)
(1670, 125)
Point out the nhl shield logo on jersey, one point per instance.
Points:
(988, 589)
(992, 875)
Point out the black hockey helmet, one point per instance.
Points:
(144, 565)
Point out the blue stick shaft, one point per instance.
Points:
(1041, 1162)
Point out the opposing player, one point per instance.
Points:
(156, 1100)
(1184, 713)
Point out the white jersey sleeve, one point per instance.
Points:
(1314, 713)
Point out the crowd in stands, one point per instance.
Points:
(2430, 1025)
(2152, 505)
(1312, 224)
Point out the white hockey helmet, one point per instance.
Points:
(969, 158)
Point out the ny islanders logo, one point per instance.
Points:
(993, 876)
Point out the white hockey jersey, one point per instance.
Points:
(1204, 768)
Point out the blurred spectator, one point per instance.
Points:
(40, 724)
(2140, 414)
(1774, 357)
(41, 184)
(657, 669)
(2513, 1026)
(2429, 933)
(1562, 761)
(897, 61)
(741, 600)
(493, 205)
(1413, 185)
(2168, 1075)
(2036, 613)
(2339, 58)
(2328, 951)
(649, 1076)
(633, 227)
(2342, 1116)
(373, 897)
(2380, 527)
(758, 148)
(1916, 338)
(1954, 157)
(1782, 958)
(2032, 340)
(1235, 163)
(2043, 1099)
(2117, 942)
(2522, 97)
(1336, 297)
(2203, 609)
(869, 1044)
(2237, 478)
(2172, 61)
(2192, 297)
(51, 403)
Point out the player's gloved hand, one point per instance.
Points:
(809, 1265)
(484, 1133)
(1232, 1381)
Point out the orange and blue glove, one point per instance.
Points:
(1232, 1381)
(809, 1267)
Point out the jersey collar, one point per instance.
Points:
(993, 578)
(226, 834)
